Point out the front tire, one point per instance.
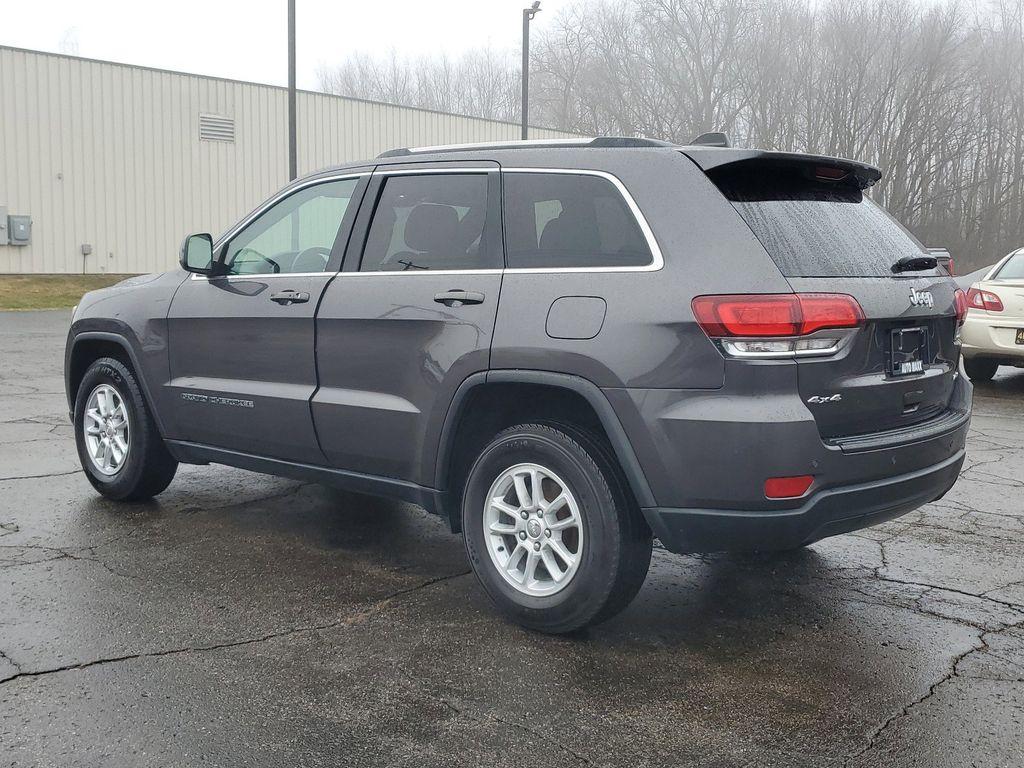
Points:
(980, 368)
(551, 530)
(119, 446)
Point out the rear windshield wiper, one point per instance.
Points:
(914, 264)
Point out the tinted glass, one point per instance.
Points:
(430, 222)
(813, 228)
(295, 235)
(1013, 269)
(557, 220)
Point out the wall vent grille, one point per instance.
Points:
(216, 128)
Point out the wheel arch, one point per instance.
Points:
(88, 346)
(581, 398)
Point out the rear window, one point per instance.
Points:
(813, 228)
(1013, 269)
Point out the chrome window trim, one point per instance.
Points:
(657, 260)
(657, 263)
(427, 170)
(261, 210)
(261, 275)
(415, 272)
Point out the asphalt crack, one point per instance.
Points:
(982, 646)
(351, 619)
(937, 587)
(9, 660)
(38, 477)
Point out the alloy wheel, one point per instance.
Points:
(534, 529)
(107, 438)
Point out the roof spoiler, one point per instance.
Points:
(712, 139)
(710, 158)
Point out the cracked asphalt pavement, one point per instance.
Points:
(248, 620)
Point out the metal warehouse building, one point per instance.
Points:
(105, 167)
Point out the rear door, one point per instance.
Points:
(241, 345)
(409, 318)
(827, 236)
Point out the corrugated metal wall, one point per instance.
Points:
(109, 155)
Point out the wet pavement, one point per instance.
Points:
(247, 620)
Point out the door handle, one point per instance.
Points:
(290, 297)
(458, 298)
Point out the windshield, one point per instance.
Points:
(813, 228)
(1013, 269)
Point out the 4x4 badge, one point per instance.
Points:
(824, 399)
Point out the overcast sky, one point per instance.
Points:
(247, 40)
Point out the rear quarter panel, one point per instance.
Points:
(649, 352)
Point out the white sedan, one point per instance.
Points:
(993, 333)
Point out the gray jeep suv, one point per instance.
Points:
(564, 348)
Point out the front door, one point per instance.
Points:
(409, 318)
(242, 345)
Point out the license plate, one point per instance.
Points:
(908, 351)
(1020, 335)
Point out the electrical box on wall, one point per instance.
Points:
(3, 225)
(19, 230)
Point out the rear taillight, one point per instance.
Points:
(984, 300)
(775, 315)
(960, 301)
(951, 267)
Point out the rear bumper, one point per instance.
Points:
(827, 513)
(993, 337)
(707, 455)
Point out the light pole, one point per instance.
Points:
(528, 14)
(293, 155)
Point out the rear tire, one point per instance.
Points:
(609, 542)
(980, 368)
(119, 446)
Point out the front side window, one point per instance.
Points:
(569, 220)
(431, 222)
(295, 235)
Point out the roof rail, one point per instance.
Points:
(603, 142)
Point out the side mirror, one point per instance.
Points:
(197, 255)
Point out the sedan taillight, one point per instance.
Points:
(977, 299)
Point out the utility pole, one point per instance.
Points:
(528, 14)
(293, 155)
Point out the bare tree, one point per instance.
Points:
(931, 92)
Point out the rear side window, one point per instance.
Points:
(814, 228)
(431, 222)
(565, 220)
